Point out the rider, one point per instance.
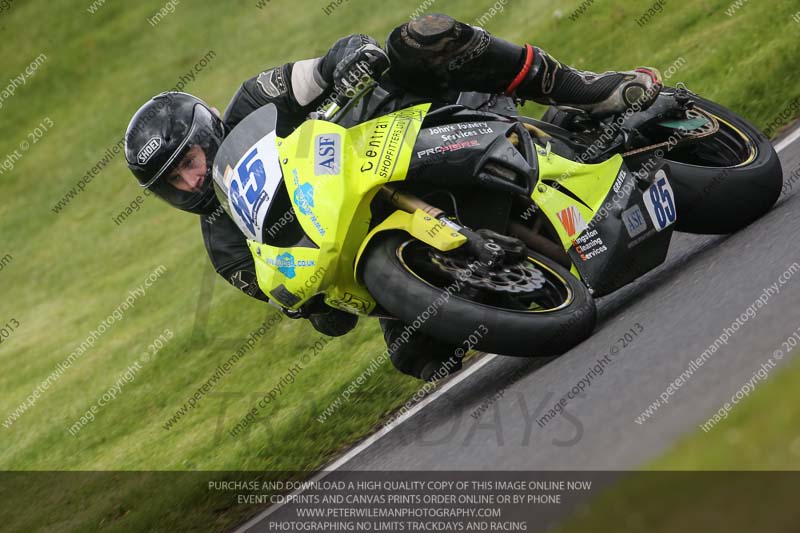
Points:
(172, 139)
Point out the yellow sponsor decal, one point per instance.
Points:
(383, 143)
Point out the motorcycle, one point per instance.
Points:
(468, 217)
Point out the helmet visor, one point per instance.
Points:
(197, 149)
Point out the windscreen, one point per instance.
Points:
(247, 171)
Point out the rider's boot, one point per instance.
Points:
(457, 55)
(547, 81)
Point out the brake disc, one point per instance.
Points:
(517, 278)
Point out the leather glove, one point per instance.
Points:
(350, 60)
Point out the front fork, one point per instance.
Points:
(488, 247)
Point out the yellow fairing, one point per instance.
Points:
(331, 175)
(422, 226)
(590, 183)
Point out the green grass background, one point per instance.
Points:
(70, 270)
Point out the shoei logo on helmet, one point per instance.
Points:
(148, 150)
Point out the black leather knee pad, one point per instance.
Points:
(437, 52)
(407, 363)
(437, 369)
(334, 323)
(424, 364)
(407, 348)
(418, 355)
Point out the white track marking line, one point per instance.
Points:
(322, 474)
(788, 140)
(372, 439)
(411, 412)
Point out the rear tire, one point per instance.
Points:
(724, 198)
(410, 297)
(723, 182)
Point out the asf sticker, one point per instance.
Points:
(327, 154)
(634, 221)
(572, 220)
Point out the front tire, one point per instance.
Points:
(398, 279)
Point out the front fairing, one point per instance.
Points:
(328, 175)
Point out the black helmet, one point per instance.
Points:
(164, 130)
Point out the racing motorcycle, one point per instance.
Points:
(469, 217)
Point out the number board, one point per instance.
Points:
(253, 182)
(660, 203)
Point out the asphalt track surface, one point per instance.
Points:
(682, 307)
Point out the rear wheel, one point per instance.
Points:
(533, 307)
(722, 182)
(725, 181)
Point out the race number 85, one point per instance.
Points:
(245, 187)
(659, 200)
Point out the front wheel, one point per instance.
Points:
(534, 307)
